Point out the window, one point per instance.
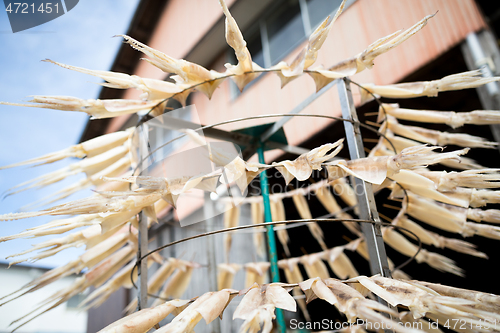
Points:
(74, 302)
(283, 27)
(318, 8)
(254, 45)
(159, 136)
(285, 30)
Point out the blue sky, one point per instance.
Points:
(81, 37)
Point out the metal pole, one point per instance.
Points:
(482, 62)
(209, 212)
(142, 292)
(364, 192)
(271, 239)
(143, 268)
(238, 138)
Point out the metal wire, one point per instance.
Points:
(274, 223)
(375, 97)
(262, 117)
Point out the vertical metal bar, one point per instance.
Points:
(364, 192)
(482, 62)
(143, 268)
(209, 212)
(271, 239)
(142, 292)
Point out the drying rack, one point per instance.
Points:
(257, 144)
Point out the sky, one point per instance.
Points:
(81, 37)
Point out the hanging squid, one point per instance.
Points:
(258, 305)
(365, 59)
(225, 276)
(350, 302)
(465, 80)
(422, 301)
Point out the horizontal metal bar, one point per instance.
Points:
(249, 151)
(237, 138)
(286, 148)
(305, 103)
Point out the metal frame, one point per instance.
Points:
(366, 200)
